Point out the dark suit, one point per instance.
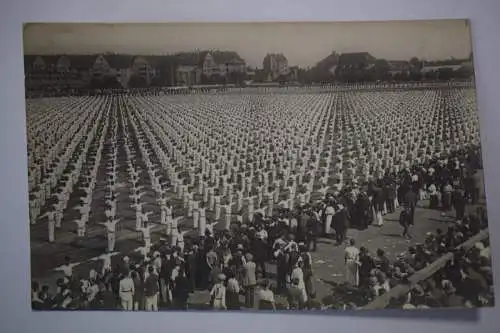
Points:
(312, 233)
(411, 202)
(459, 203)
(340, 224)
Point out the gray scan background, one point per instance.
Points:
(15, 313)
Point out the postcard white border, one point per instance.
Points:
(15, 313)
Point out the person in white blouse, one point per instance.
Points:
(352, 263)
(106, 261)
(80, 227)
(265, 297)
(178, 238)
(110, 226)
(138, 215)
(126, 292)
(67, 268)
(329, 212)
(218, 293)
(146, 234)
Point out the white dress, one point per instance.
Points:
(202, 221)
(352, 265)
(297, 273)
(329, 212)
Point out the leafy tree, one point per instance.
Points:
(416, 63)
(157, 81)
(445, 74)
(137, 81)
(415, 76)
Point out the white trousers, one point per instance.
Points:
(127, 303)
(152, 303)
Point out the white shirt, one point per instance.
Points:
(126, 287)
(146, 232)
(110, 226)
(67, 269)
(329, 211)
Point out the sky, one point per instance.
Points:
(303, 43)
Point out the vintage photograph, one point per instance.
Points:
(255, 166)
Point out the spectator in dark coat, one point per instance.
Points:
(411, 200)
(181, 291)
(104, 300)
(382, 262)
(451, 299)
(363, 211)
(312, 227)
(367, 264)
(459, 203)
(340, 223)
(405, 221)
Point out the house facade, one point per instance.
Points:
(77, 71)
(188, 75)
(57, 72)
(144, 69)
(101, 68)
(325, 69)
(209, 67)
(221, 63)
(355, 61)
(275, 65)
(396, 67)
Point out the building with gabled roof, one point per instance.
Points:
(145, 70)
(212, 65)
(357, 60)
(56, 71)
(220, 63)
(325, 69)
(275, 65)
(396, 67)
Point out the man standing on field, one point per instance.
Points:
(151, 290)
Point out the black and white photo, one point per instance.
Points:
(255, 166)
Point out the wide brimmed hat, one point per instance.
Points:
(448, 286)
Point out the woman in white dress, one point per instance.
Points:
(352, 263)
(298, 274)
(202, 218)
(329, 212)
